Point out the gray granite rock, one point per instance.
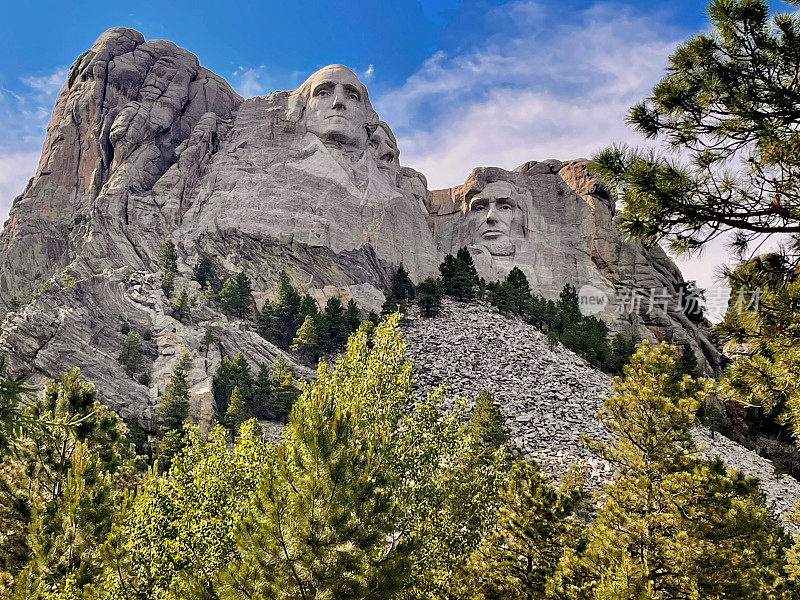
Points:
(146, 145)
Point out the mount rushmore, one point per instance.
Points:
(145, 145)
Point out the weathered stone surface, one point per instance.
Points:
(146, 145)
(554, 221)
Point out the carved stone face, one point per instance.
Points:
(385, 149)
(491, 215)
(336, 109)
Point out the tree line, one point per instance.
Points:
(373, 495)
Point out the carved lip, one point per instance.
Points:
(492, 234)
(335, 116)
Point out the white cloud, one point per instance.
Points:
(528, 92)
(535, 89)
(251, 81)
(48, 84)
(15, 170)
(369, 74)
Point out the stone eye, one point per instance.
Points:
(322, 93)
(353, 96)
(505, 206)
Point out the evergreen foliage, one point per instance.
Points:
(402, 287)
(60, 483)
(518, 557)
(181, 307)
(203, 273)
(392, 305)
(168, 261)
(323, 523)
(727, 104)
(673, 524)
(173, 410)
(284, 390)
(429, 296)
(236, 295)
(130, 355)
(459, 276)
(235, 415)
(279, 319)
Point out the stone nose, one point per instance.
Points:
(490, 217)
(338, 101)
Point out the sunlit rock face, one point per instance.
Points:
(145, 145)
(555, 222)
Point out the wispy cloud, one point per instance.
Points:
(251, 81)
(535, 88)
(24, 113)
(528, 92)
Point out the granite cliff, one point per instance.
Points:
(145, 145)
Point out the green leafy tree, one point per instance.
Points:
(450, 492)
(173, 539)
(236, 295)
(673, 525)
(518, 290)
(130, 355)
(429, 296)
(208, 339)
(324, 521)
(231, 373)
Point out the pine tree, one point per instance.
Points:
(243, 295)
(352, 318)
(392, 305)
(203, 273)
(306, 341)
(235, 415)
(487, 427)
(181, 306)
(402, 287)
(259, 404)
(520, 554)
(324, 521)
(679, 526)
(168, 257)
(285, 392)
(131, 354)
(518, 290)
(279, 320)
(687, 363)
(231, 373)
(227, 296)
(173, 410)
(168, 283)
(333, 325)
(208, 339)
(429, 296)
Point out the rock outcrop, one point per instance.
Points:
(145, 145)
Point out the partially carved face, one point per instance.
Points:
(385, 149)
(336, 109)
(491, 214)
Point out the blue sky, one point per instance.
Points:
(462, 84)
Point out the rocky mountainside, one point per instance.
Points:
(549, 395)
(145, 145)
